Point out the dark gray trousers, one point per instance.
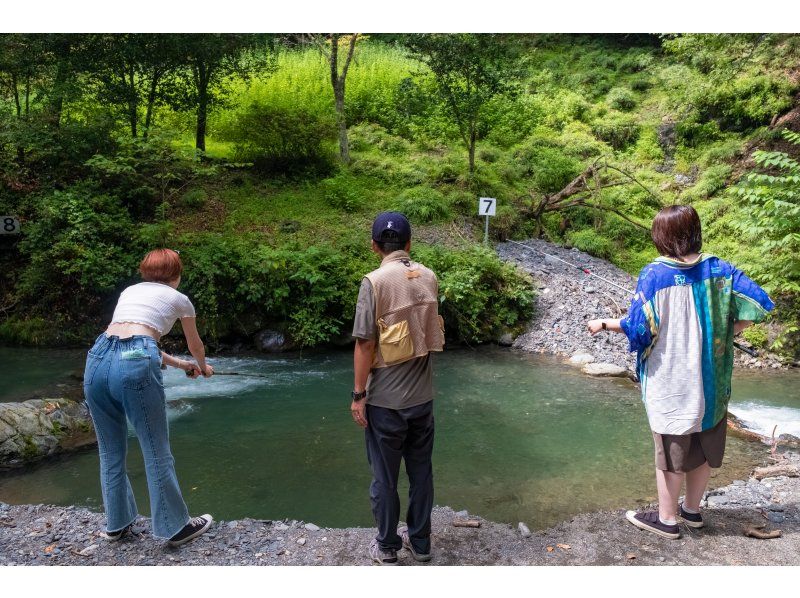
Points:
(392, 435)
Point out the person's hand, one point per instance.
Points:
(358, 409)
(192, 369)
(594, 326)
(209, 371)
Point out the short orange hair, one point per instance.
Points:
(161, 265)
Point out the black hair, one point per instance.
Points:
(390, 242)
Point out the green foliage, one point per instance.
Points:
(283, 138)
(713, 179)
(423, 204)
(591, 242)
(621, 98)
(344, 192)
(771, 200)
(617, 129)
(756, 335)
(80, 246)
(144, 173)
(474, 284)
(194, 199)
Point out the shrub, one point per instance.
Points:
(80, 245)
(616, 129)
(480, 296)
(550, 168)
(344, 192)
(641, 83)
(283, 138)
(756, 335)
(591, 242)
(621, 98)
(194, 199)
(423, 204)
(692, 132)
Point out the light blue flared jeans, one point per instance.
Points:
(122, 383)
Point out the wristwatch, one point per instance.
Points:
(357, 396)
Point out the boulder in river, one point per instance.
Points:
(271, 341)
(582, 359)
(506, 340)
(605, 369)
(38, 428)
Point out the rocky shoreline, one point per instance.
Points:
(50, 535)
(568, 298)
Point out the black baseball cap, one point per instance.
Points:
(391, 226)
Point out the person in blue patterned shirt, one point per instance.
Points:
(681, 322)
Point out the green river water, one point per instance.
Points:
(518, 438)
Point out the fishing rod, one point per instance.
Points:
(749, 351)
(189, 374)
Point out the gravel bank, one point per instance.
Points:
(48, 535)
(567, 299)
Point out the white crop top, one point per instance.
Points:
(153, 304)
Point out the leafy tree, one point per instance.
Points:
(470, 70)
(772, 203)
(331, 52)
(211, 61)
(135, 70)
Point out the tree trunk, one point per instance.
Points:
(57, 101)
(338, 83)
(151, 100)
(472, 150)
(133, 104)
(27, 96)
(344, 144)
(15, 91)
(202, 107)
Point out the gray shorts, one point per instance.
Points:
(685, 452)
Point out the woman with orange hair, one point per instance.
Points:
(123, 382)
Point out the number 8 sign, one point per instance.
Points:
(9, 225)
(487, 206)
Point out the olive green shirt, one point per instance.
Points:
(398, 386)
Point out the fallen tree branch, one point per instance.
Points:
(771, 471)
(754, 531)
(466, 523)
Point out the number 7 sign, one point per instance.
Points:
(487, 206)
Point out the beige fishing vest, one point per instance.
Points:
(406, 301)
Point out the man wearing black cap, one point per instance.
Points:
(396, 327)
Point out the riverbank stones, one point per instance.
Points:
(581, 359)
(605, 370)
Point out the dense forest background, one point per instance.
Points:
(263, 159)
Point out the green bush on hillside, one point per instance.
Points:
(344, 192)
(423, 204)
(283, 138)
(617, 129)
(474, 284)
(621, 98)
(591, 242)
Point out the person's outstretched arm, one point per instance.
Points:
(195, 345)
(596, 326)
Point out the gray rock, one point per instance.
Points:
(582, 359)
(506, 340)
(718, 501)
(271, 341)
(604, 369)
(463, 513)
(311, 527)
(523, 529)
(776, 517)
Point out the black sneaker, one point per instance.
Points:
(117, 535)
(649, 521)
(381, 556)
(195, 527)
(691, 519)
